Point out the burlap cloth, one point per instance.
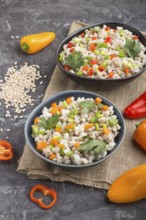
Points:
(102, 175)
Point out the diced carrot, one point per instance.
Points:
(77, 144)
(36, 120)
(135, 37)
(68, 100)
(113, 56)
(61, 145)
(88, 126)
(58, 129)
(82, 34)
(66, 67)
(52, 156)
(90, 71)
(53, 110)
(94, 38)
(53, 105)
(111, 74)
(106, 131)
(85, 68)
(72, 50)
(54, 141)
(41, 145)
(126, 70)
(107, 28)
(101, 68)
(104, 107)
(98, 100)
(108, 39)
(92, 47)
(69, 126)
(60, 107)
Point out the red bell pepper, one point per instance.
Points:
(137, 109)
(45, 191)
(6, 152)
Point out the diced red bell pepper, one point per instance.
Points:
(94, 61)
(135, 37)
(94, 38)
(85, 68)
(101, 68)
(108, 39)
(71, 50)
(70, 44)
(107, 28)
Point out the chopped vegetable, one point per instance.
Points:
(129, 187)
(88, 126)
(41, 145)
(35, 42)
(36, 120)
(52, 156)
(112, 122)
(98, 100)
(6, 152)
(46, 192)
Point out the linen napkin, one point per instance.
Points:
(102, 175)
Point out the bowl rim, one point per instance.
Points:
(59, 95)
(68, 38)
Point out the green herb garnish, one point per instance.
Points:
(74, 60)
(87, 106)
(97, 146)
(132, 48)
(50, 122)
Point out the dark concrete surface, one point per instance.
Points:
(21, 17)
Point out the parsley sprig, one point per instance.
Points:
(132, 48)
(74, 60)
(96, 145)
(50, 122)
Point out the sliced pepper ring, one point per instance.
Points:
(46, 192)
(6, 152)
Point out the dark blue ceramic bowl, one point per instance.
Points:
(61, 96)
(100, 84)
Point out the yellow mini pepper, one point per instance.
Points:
(129, 187)
(35, 42)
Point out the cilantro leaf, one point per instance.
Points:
(50, 122)
(74, 60)
(132, 48)
(97, 146)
